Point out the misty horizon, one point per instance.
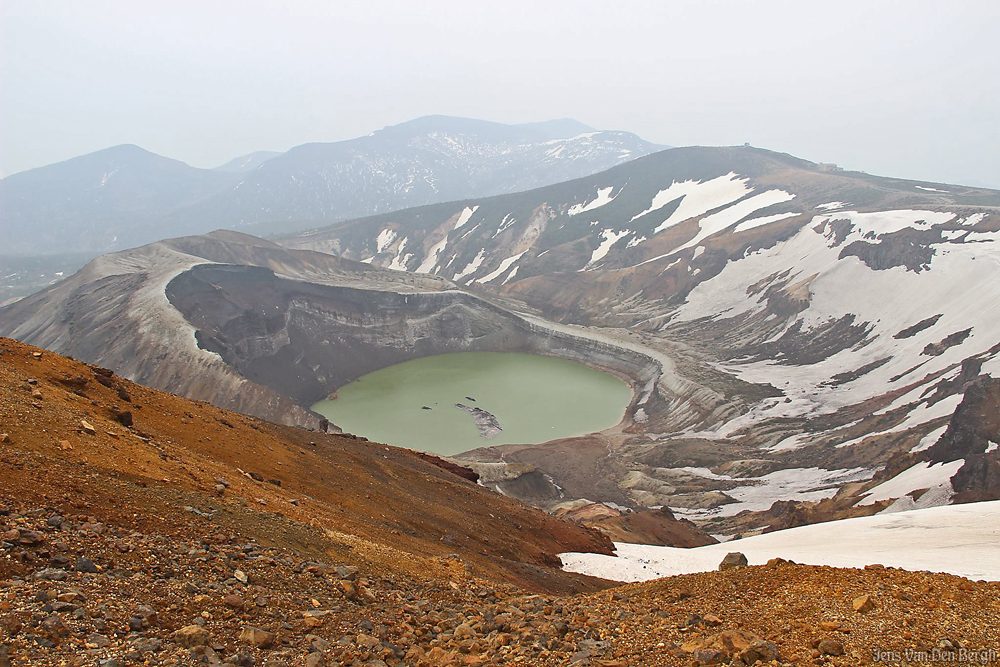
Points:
(863, 85)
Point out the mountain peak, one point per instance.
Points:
(560, 128)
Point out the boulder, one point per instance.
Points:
(830, 646)
(733, 561)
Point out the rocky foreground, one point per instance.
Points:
(77, 591)
(196, 536)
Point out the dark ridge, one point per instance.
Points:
(910, 332)
(937, 349)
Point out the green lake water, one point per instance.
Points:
(535, 398)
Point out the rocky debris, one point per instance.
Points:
(123, 417)
(487, 423)
(658, 526)
(732, 561)
(733, 646)
(160, 599)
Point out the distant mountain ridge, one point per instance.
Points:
(125, 196)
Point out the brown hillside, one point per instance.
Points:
(178, 453)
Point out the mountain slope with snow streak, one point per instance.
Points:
(795, 336)
(805, 319)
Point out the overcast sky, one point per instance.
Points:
(902, 88)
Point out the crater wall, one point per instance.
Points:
(304, 340)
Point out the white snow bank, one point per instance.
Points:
(608, 238)
(433, 254)
(715, 223)
(384, 240)
(962, 278)
(504, 265)
(958, 539)
(930, 439)
(465, 216)
(759, 493)
(603, 197)
(472, 266)
(700, 197)
(753, 223)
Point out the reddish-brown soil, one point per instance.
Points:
(170, 542)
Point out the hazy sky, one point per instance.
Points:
(902, 88)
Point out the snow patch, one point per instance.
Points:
(504, 265)
(505, 224)
(972, 220)
(464, 217)
(472, 266)
(963, 540)
(839, 287)
(603, 197)
(699, 197)
(760, 222)
(715, 223)
(609, 238)
(929, 440)
(920, 476)
(759, 493)
(399, 262)
(384, 240)
(433, 254)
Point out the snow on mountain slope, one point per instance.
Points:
(805, 319)
(961, 539)
(887, 301)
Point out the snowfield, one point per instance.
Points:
(957, 539)
(699, 197)
(603, 197)
(813, 263)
